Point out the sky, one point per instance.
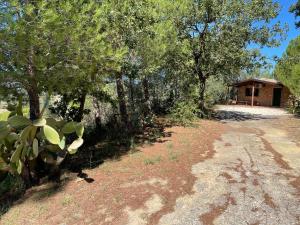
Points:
(284, 17)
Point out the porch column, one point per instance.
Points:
(252, 99)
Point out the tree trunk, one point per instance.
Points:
(32, 89)
(122, 101)
(202, 81)
(176, 89)
(97, 113)
(202, 87)
(26, 176)
(81, 101)
(131, 94)
(34, 102)
(147, 104)
(29, 173)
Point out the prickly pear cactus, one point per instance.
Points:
(23, 140)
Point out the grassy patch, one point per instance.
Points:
(117, 199)
(173, 156)
(152, 161)
(67, 200)
(170, 145)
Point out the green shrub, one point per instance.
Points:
(184, 113)
(22, 141)
(216, 92)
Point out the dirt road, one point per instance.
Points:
(253, 178)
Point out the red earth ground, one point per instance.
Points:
(123, 187)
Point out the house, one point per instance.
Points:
(262, 92)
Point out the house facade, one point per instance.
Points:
(262, 92)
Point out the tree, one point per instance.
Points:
(219, 33)
(296, 10)
(288, 68)
(150, 50)
(54, 46)
(131, 24)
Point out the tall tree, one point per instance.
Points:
(128, 21)
(219, 33)
(18, 49)
(60, 46)
(150, 51)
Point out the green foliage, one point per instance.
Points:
(294, 105)
(216, 35)
(75, 48)
(4, 116)
(216, 92)
(55, 45)
(173, 156)
(184, 113)
(288, 68)
(67, 107)
(295, 8)
(22, 141)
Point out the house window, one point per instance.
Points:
(249, 92)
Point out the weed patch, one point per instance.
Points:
(173, 156)
(152, 161)
(170, 146)
(67, 200)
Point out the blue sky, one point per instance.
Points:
(284, 17)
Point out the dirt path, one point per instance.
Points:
(241, 170)
(253, 178)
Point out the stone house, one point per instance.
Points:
(262, 92)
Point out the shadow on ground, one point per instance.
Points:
(99, 149)
(222, 115)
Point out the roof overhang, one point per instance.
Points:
(256, 80)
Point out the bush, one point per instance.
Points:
(184, 113)
(216, 92)
(294, 105)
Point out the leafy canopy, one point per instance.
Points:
(288, 68)
(296, 10)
